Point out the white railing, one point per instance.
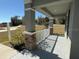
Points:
(41, 35)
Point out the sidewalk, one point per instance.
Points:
(6, 52)
(11, 28)
(62, 48)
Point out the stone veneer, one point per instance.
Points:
(30, 40)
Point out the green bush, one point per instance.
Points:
(17, 37)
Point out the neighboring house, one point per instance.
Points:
(2, 26)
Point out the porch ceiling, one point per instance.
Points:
(56, 9)
(52, 8)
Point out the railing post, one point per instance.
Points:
(51, 25)
(9, 33)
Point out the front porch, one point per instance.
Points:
(53, 47)
(49, 45)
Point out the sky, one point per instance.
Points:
(9, 8)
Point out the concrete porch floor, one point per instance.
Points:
(54, 47)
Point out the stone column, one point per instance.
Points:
(30, 40)
(74, 30)
(29, 22)
(51, 25)
(29, 18)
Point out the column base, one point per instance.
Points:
(30, 40)
(51, 31)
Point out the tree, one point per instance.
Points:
(46, 21)
(43, 21)
(4, 24)
(15, 21)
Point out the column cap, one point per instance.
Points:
(51, 17)
(29, 9)
(27, 1)
(29, 33)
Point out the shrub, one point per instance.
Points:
(17, 37)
